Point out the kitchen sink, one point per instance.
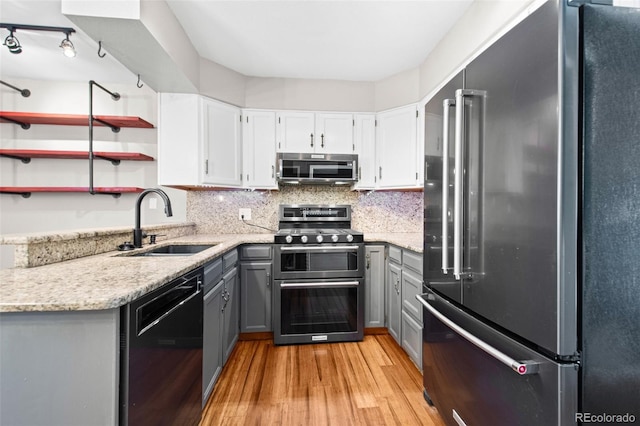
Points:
(175, 250)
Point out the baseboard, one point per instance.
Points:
(264, 335)
(376, 330)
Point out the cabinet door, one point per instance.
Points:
(396, 140)
(411, 287)
(230, 313)
(365, 142)
(412, 338)
(259, 149)
(255, 297)
(394, 306)
(295, 132)
(374, 286)
(222, 143)
(334, 133)
(212, 340)
(179, 147)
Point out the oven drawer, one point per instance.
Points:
(319, 261)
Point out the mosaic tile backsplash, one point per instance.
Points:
(216, 212)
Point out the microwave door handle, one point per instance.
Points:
(446, 106)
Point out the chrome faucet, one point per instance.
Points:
(138, 235)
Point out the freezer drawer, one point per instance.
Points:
(468, 384)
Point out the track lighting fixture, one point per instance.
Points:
(14, 46)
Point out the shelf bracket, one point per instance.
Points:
(113, 161)
(25, 194)
(25, 126)
(114, 129)
(25, 160)
(116, 97)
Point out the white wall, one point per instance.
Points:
(62, 211)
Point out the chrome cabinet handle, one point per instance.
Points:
(380, 172)
(446, 105)
(322, 140)
(368, 257)
(521, 367)
(268, 279)
(273, 171)
(311, 140)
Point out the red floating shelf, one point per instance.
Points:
(26, 154)
(72, 119)
(26, 191)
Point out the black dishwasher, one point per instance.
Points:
(161, 355)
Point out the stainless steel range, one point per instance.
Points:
(318, 275)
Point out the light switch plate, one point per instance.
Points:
(246, 213)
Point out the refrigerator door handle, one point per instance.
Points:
(525, 367)
(446, 105)
(461, 94)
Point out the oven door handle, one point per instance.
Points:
(320, 248)
(321, 284)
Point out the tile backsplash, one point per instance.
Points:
(216, 212)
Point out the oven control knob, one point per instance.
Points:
(303, 239)
(319, 238)
(349, 237)
(288, 239)
(334, 238)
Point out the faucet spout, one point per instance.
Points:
(137, 230)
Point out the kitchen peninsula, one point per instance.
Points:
(60, 323)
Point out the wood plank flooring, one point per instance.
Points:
(372, 382)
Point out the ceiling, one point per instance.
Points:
(331, 39)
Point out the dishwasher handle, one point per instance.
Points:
(161, 306)
(521, 367)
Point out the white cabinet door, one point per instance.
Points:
(259, 149)
(334, 133)
(295, 132)
(180, 160)
(365, 141)
(396, 139)
(222, 143)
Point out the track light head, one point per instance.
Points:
(12, 44)
(67, 48)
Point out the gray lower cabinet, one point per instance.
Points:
(212, 339)
(231, 313)
(374, 278)
(256, 262)
(411, 308)
(394, 300)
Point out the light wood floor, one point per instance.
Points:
(372, 382)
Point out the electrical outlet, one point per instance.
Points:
(244, 213)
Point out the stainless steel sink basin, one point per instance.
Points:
(175, 250)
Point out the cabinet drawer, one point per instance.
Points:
(412, 339)
(262, 251)
(411, 286)
(395, 254)
(212, 274)
(229, 260)
(412, 260)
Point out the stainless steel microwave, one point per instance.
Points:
(332, 169)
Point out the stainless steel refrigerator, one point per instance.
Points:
(532, 225)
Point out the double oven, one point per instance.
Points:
(318, 276)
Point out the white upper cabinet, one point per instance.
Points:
(259, 149)
(397, 148)
(222, 138)
(365, 143)
(199, 141)
(308, 132)
(334, 133)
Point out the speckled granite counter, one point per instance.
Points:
(113, 279)
(106, 280)
(408, 240)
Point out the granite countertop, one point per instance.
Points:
(113, 279)
(108, 280)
